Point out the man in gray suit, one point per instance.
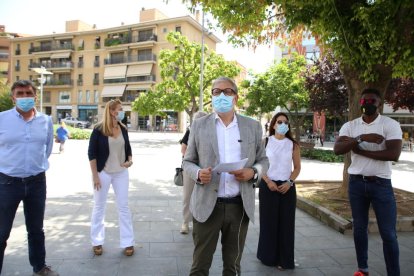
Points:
(223, 202)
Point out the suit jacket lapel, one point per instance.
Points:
(244, 135)
(213, 136)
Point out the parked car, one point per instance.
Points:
(75, 122)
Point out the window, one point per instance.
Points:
(96, 79)
(80, 79)
(145, 35)
(88, 96)
(79, 96)
(97, 42)
(80, 62)
(164, 30)
(46, 96)
(178, 29)
(81, 44)
(96, 61)
(144, 54)
(117, 58)
(64, 97)
(95, 96)
(17, 49)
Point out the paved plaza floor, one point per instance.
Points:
(156, 207)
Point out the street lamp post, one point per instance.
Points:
(42, 71)
(202, 63)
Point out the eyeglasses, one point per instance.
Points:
(367, 101)
(282, 122)
(226, 91)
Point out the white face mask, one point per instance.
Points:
(120, 116)
(282, 128)
(222, 103)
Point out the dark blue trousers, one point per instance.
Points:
(32, 191)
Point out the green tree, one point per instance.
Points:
(373, 40)
(179, 89)
(283, 84)
(5, 99)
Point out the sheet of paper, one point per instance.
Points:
(232, 166)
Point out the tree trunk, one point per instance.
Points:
(355, 86)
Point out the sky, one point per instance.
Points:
(41, 17)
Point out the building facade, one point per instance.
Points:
(92, 66)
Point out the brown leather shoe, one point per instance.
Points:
(129, 251)
(97, 250)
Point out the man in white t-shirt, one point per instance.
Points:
(374, 142)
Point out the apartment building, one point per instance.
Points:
(5, 53)
(91, 66)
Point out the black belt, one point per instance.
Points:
(365, 177)
(230, 200)
(23, 179)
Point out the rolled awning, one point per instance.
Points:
(60, 55)
(115, 72)
(139, 70)
(113, 91)
(139, 87)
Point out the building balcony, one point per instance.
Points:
(129, 59)
(17, 52)
(129, 39)
(79, 82)
(59, 82)
(17, 68)
(53, 65)
(96, 82)
(4, 56)
(50, 48)
(80, 64)
(96, 63)
(150, 78)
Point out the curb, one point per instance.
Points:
(340, 224)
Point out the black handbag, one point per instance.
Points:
(178, 177)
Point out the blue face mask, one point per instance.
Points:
(222, 103)
(282, 128)
(120, 116)
(25, 104)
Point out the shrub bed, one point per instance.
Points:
(75, 133)
(321, 155)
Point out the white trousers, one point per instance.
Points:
(188, 187)
(120, 184)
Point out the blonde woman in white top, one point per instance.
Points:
(110, 156)
(277, 196)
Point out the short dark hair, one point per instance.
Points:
(23, 83)
(371, 91)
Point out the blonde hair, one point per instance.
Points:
(62, 124)
(106, 125)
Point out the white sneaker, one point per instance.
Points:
(184, 228)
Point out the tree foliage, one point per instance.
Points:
(326, 86)
(179, 89)
(5, 99)
(365, 35)
(400, 94)
(283, 84)
(372, 39)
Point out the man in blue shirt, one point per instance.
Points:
(26, 141)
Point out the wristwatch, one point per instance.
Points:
(255, 175)
(291, 182)
(358, 139)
